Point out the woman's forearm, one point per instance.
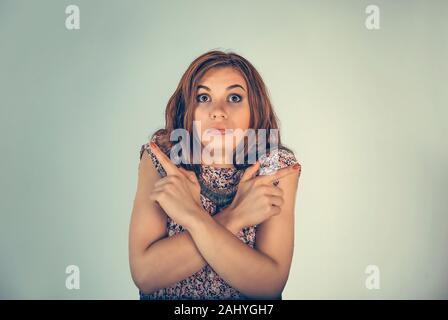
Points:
(175, 258)
(244, 268)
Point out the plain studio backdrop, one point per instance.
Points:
(365, 112)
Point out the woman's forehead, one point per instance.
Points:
(222, 77)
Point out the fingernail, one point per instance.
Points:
(153, 145)
(296, 166)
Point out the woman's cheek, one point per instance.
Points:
(244, 118)
(199, 117)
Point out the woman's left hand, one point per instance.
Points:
(178, 194)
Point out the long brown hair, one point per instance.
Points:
(180, 108)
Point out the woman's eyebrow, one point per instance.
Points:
(228, 88)
(203, 87)
(235, 86)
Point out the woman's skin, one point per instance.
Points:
(158, 261)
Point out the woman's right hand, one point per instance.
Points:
(257, 199)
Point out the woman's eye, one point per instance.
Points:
(234, 98)
(202, 98)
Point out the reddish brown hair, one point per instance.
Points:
(180, 108)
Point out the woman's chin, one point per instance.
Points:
(218, 153)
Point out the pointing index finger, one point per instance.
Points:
(281, 173)
(166, 163)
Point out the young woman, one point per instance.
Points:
(193, 225)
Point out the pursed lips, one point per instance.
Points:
(221, 131)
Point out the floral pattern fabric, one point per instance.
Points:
(206, 283)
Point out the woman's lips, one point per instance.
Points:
(219, 131)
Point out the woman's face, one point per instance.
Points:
(221, 103)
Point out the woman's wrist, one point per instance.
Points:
(228, 219)
(196, 214)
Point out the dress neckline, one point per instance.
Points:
(220, 176)
(219, 184)
(207, 167)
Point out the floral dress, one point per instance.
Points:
(216, 184)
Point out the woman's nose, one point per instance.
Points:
(218, 113)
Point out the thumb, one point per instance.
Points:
(250, 171)
(188, 174)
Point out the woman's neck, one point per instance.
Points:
(219, 165)
(223, 160)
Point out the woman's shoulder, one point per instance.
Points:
(146, 148)
(277, 159)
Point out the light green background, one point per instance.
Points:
(364, 111)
